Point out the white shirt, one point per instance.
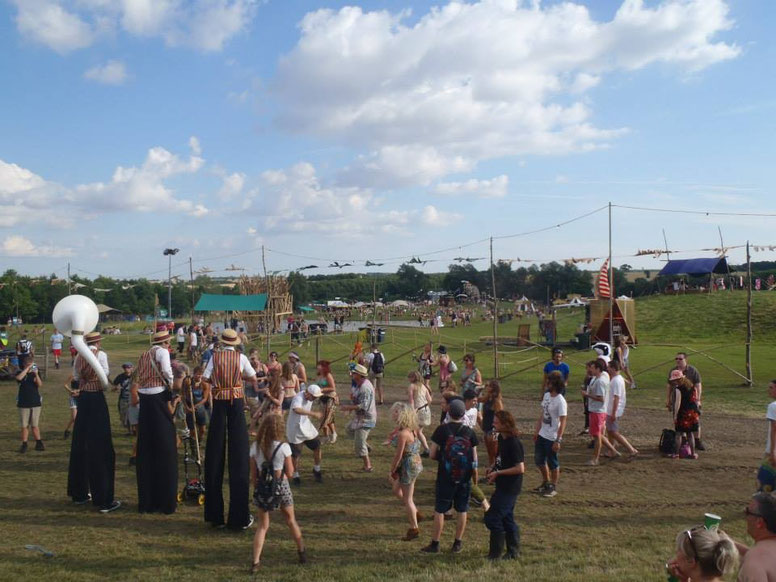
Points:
(616, 388)
(280, 457)
(181, 335)
(598, 387)
(469, 418)
(102, 358)
(771, 416)
(553, 407)
(56, 341)
(162, 358)
(245, 366)
(193, 338)
(299, 427)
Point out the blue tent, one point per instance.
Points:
(695, 266)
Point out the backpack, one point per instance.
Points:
(451, 367)
(458, 457)
(267, 492)
(378, 363)
(667, 443)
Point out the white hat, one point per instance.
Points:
(314, 390)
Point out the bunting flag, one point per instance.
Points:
(603, 291)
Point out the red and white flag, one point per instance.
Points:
(603, 291)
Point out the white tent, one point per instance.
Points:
(336, 303)
(399, 303)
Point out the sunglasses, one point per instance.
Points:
(679, 359)
(692, 542)
(749, 512)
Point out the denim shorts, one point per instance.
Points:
(544, 455)
(453, 495)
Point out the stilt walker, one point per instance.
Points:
(228, 435)
(157, 459)
(92, 458)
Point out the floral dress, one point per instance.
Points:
(411, 464)
(688, 416)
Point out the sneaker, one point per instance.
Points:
(699, 445)
(67, 435)
(302, 556)
(297, 480)
(250, 522)
(432, 548)
(318, 476)
(541, 488)
(39, 446)
(584, 432)
(112, 507)
(83, 501)
(23, 448)
(333, 437)
(132, 461)
(456, 547)
(549, 491)
(411, 534)
(592, 463)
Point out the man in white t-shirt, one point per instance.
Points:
(470, 416)
(300, 430)
(766, 476)
(56, 346)
(180, 336)
(596, 395)
(615, 407)
(548, 434)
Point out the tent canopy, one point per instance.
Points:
(695, 266)
(211, 302)
(306, 309)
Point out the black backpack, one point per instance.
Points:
(267, 492)
(667, 443)
(378, 363)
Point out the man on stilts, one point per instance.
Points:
(225, 372)
(157, 460)
(92, 458)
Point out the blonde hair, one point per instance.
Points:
(712, 549)
(272, 428)
(415, 377)
(405, 416)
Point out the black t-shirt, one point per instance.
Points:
(28, 397)
(510, 453)
(441, 434)
(123, 382)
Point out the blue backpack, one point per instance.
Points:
(458, 456)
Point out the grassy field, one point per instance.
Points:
(613, 522)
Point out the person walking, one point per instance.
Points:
(228, 435)
(556, 364)
(615, 408)
(365, 416)
(156, 460)
(56, 346)
(420, 399)
(507, 474)
(301, 431)
(406, 465)
(29, 403)
(454, 447)
(375, 363)
(548, 435)
(92, 467)
(596, 395)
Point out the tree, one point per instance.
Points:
(410, 282)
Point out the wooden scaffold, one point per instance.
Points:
(279, 300)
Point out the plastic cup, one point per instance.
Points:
(711, 520)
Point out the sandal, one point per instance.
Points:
(255, 567)
(368, 469)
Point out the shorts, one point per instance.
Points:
(133, 415)
(374, 375)
(312, 444)
(612, 426)
(73, 403)
(202, 416)
(286, 497)
(287, 402)
(123, 409)
(544, 455)
(360, 436)
(597, 422)
(29, 417)
(452, 495)
(766, 477)
(57, 352)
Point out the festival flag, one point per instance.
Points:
(603, 291)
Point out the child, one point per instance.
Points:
(122, 382)
(72, 387)
(196, 393)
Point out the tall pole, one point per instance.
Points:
(269, 318)
(724, 256)
(749, 378)
(169, 286)
(611, 282)
(69, 291)
(191, 278)
(374, 310)
(495, 313)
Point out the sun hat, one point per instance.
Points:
(295, 356)
(160, 337)
(675, 375)
(92, 337)
(314, 390)
(456, 408)
(442, 349)
(360, 370)
(230, 337)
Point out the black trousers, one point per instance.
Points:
(227, 432)
(92, 458)
(157, 457)
(501, 515)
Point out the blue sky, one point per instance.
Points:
(379, 130)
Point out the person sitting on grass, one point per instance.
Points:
(28, 401)
(406, 464)
(270, 447)
(703, 555)
(548, 435)
(454, 447)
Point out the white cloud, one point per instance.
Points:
(232, 185)
(111, 73)
(66, 25)
(467, 82)
(432, 216)
(493, 188)
(19, 246)
(47, 22)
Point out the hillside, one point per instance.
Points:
(705, 317)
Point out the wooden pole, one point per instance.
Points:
(495, 312)
(317, 348)
(374, 311)
(191, 282)
(611, 283)
(269, 318)
(749, 378)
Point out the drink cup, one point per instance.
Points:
(711, 520)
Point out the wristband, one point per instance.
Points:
(559, 440)
(475, 464)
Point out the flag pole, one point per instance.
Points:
(611, 282)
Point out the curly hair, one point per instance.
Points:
(405, 416)
(272, 428)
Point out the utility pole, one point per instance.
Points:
(724, 256)
(495, 312)
(191, 279)
(749, 378)
(69, 292)
(611, 282)
(269, 318)
(169, 253)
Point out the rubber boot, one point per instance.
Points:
(496, 545)
(513, 546)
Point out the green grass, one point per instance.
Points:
(615, 522)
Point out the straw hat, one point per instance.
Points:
(360, 370)
(92, 337)
(160, 337)
(230, 337)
